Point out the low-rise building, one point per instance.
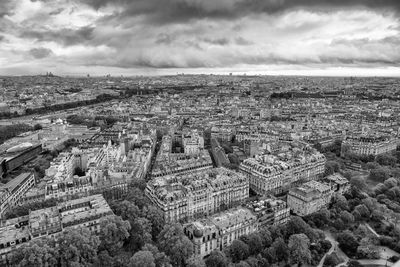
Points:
(338, 183)
(12, 192)
(83, 212)
(270, 211)
(309, 198)
(220, 230)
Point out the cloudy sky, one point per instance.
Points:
(129, 37)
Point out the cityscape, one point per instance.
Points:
(199, 133)
(200, 170)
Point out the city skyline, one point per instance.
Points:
(276, 37)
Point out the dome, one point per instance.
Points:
(197, 233)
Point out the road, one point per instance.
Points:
(372, 230)
(385, 253)
(330, 238)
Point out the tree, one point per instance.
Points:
(331, 167)
(104, 259)
(142, 258)
(347, 242)
(140, 233)
(35, 253)
(255, 243)
(372, 165)
(156, 218)
(393, 193)
(281, 249)
(368, 252)
(381, 188)
(346, 217)
(175, 244)
(113, 233)
(241, 264)
(354, 263)
(137, 196)
(331, 260)
(196, 262)
(252, 261)
(320, 218)
(269, 254)
(363, 210)
(341, 203)
(358, 183)
(299, 246)
(160, 258)
(338, 224)
(238, 251)
(386, 160)
(379, 175)
(266, 237)
(37, 127)
(216, 259)
(77, 247)
(277, 231)
(126, 209)
(296, 225)
(391, 182)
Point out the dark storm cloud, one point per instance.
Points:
(217, 41)
(164, 39)
(66, 37)
(40, 52)
(242, 41)
(360, 43)
(6, 7)
(56, 12)
(183, 10)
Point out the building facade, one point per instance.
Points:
(309, 198)
(83, 212)
(365, 146)
(219, 231)
(277, 173)
(270, 211)
(12, 193)
(182, 197)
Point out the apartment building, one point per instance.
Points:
(270, 211)
(12, 193)
(278, 172)
(220, 230)
(83, 212)
(365, 146)
(183, 197)
(309, 198)
(193, 142)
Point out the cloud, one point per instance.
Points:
(199, 34)
(217, 41)
(241, 41)
(169, 11)
(6, 7)
(64, 36)
(56, 12)
(40, 53)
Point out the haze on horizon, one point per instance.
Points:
(150, 37)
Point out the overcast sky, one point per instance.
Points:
(129, 37)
